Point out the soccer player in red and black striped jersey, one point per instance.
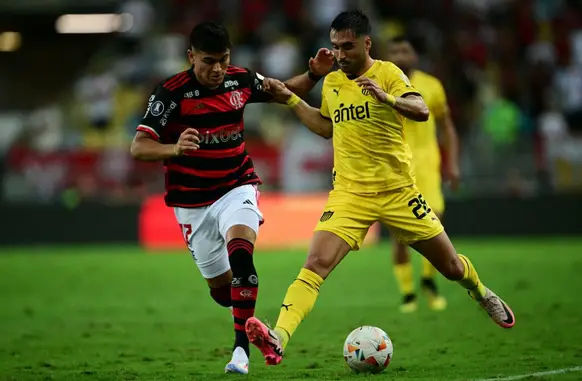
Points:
(194, 124)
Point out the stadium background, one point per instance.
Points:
(70, 102)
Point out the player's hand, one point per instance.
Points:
(277, 89)
(322, 63)
(375, 90)
(188, 141)
(452, 176)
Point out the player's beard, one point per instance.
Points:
(352, 67)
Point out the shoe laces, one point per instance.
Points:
(276, 347)
(493, 305)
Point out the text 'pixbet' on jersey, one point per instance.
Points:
(351, 112)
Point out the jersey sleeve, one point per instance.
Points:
(397, 83)
(257, 93)
(161, 110)
(324, 109)
(441, 106)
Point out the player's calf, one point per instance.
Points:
(220, 289)
(441, 253)
(221, 295)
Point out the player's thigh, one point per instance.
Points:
(238, 214)
(408, 216)
(204, 242)
(349, 216)
(430, 186)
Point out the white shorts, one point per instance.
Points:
(205, 228)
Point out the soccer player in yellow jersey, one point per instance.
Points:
(426, 161)
(364, 107)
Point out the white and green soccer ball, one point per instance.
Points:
(368, 349)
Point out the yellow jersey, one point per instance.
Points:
(370, 152)
(422, 136)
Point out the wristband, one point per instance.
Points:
(176, 150)
(314, 77)
(390, 99)
(293, 101)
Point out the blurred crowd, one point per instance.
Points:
(512, 70)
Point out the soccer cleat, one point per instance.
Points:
(265, 339)
(409, 304)
(239, 362)
(436, 302)
(497, 309)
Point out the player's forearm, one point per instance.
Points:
(301, 84)
(145, 149)
(312, 119)
(450, 139)
(411, 108)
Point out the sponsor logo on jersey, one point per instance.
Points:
(230, 83)
(222, 136)
(351, 112)
(157, 108)
(150, 101)
(167, 114)
(192, 94)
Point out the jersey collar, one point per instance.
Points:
(366, 74)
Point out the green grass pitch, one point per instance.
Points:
(116, 313)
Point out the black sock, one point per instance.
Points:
(244, 288)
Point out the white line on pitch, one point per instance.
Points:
(537, 374)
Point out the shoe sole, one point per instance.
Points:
(231, 368)
(510, 312)
(256, 333)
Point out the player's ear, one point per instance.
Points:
(191, 56)
(368, 42)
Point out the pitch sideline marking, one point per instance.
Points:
(537, 374)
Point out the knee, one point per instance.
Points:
(400, 254)
(454, 269)
(319, 264)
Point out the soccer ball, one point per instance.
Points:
(368, 349)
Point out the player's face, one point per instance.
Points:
(209, 68)
(402, 54)
(350, 52)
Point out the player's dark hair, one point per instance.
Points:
(210, 37)
(400, 38)
(356, 21)
(416, 43)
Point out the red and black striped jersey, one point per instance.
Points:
(222, 163)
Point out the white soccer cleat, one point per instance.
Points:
(239, 362)
(497, 309)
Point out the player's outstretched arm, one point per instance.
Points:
(309, 116)
(451, 145)
(319, 66)
(411, 106)
(145, 148)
